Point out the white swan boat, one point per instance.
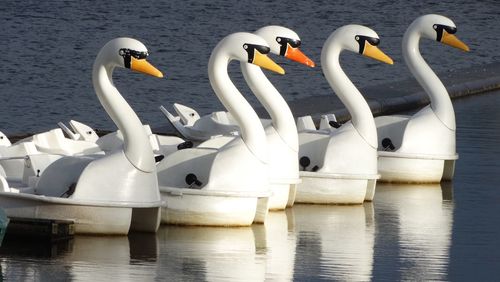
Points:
(223, 181)
(281, 132)
(421, 148)
(109, 194)
(340, 166)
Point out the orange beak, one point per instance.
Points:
(295, 54)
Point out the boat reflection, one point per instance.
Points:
(85, 258)
(29, 260)
(277, 245)
(256, 253)
(209, 254)
(334, 242)
(423, 216)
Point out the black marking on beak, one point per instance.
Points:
(128, 53)
(250, 48)
(361, 39)
(284, 42)
(439, 30)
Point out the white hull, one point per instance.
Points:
(283, 195)
(291, 195)
(320, 188)
(370, 190)
(262, 210)
(210, 208)
(89, 218)
(399, 168)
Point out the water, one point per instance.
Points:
(434, 232)
(48, 48)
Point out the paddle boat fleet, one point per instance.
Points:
(232, 168)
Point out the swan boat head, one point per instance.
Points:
(362, 40)
(247, 47)
(243, 47)
(127, 53)
(284, 42)
(439, 28)
(130, 54)
(357, 39)
(436, 28)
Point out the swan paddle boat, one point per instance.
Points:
(340, 166)
(281, 132)
(224, 181)
(103, 194)
(421, 148)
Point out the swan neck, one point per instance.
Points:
(137, 148)
(361, 115)
(440, 100)
(273, 102)
(251, 130)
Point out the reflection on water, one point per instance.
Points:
(423, 217)
(84, 258)
(209, 254)
(334, 242)
(307, 241)
(276, 243)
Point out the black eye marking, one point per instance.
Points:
(362, 42)
(128, 53)
(439, 28)
(284, 41)
(250, 48)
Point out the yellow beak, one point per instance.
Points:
(375, 53)
(264, 61)
(144, 67)
(453, 41)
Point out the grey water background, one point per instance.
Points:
(439, 232)
(48, 48)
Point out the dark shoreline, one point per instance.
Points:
(383, 99)
(403, 95)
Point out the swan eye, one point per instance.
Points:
(250, 48)
(284, 42)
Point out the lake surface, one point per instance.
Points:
(48, 48)
(447, 231)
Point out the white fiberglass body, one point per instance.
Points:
(223, 181)
(281, 132)
(421, 148)
(340, 166)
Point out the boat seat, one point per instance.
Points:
(305, 123)
(54, 142)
